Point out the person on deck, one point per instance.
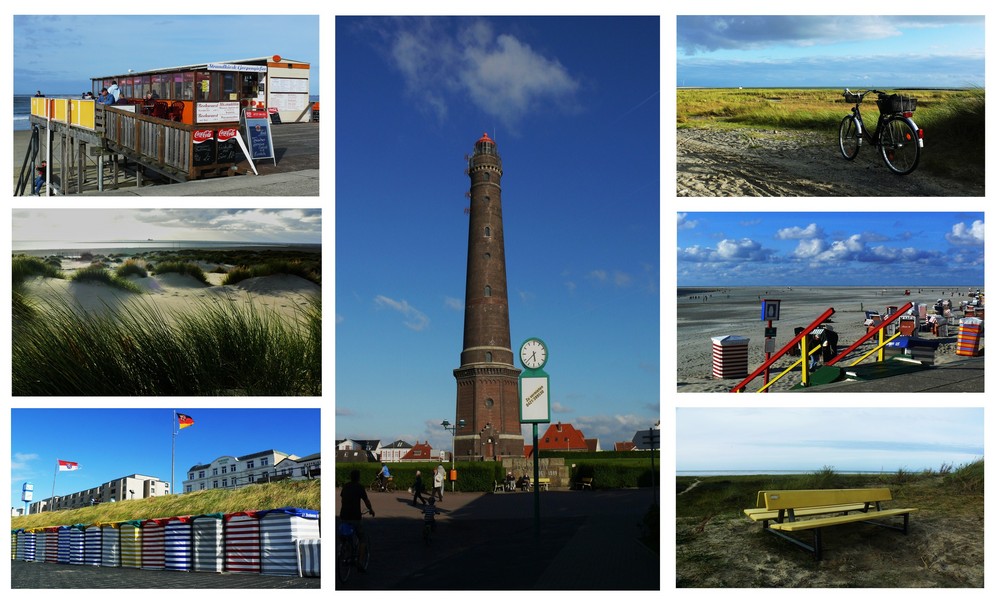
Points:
(114, 91)
(105, 97)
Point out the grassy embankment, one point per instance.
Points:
(717, 546)
(953, 121)
(222, 349)
(304, 494)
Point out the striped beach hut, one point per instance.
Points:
(152, 543)
(62, 553)
(177, 543)
(279, 530)
(130, 536)
(27, 542)
(308, 552)
(77, 537)
(110, 545)
(92, 538)
(41, 539)
(206, 538)
(241, 531)
(26, 545)
(52, 544)
(14, 534)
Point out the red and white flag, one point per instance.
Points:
(68, 466)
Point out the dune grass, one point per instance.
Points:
(23, 267)
(954, 121)
(274, 267)
(99, 274)
(225, 348)
(132, 266)
(183, 268)
(303, 494)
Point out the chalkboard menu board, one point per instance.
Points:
(203, 153)
(228, 149)
(258, 130)
(275, 118)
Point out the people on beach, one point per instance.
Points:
(36, 187)
(38, 93)
(87, 96)
(114, 91)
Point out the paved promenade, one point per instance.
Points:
(954, 377)
(36, 575)
(486, 542)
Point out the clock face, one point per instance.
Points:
(534, 354)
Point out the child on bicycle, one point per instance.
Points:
(430, 510)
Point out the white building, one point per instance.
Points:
(394, 451)
(136, 486)
(298, 468)
(230, 472)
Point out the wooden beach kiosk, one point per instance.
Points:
(182, 123)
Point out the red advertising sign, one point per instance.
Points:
(226, 134)
(200, 136)
(250, 114)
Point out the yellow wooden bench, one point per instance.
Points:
(543, 483)
(782, 512)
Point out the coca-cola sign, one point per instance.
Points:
(226, 134)
(200, 136)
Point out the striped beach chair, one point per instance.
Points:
(77, 536)
(130, 535)
(153, 552)
(242, 540)
(177, 543)
(279, 530)
(92, 542)
(62, 550)
(110, 545)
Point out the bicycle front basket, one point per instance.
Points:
(896, 103)
(852, 97)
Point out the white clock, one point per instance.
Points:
(534, 353)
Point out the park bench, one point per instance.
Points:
(543, 483)
(784, 512)
(585, 483)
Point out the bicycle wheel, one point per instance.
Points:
(345, 562)
(900, 146)
(850, 138)
(390, 487)
(364, 553)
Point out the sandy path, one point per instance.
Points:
(766, 163)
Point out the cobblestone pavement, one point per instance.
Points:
(36, 575)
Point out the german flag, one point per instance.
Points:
(184, 421)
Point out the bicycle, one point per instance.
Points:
(376, 486)
(353, 551)
(896, 136)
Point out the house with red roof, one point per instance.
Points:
(562, 437)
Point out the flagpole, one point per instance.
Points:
(54, 474)
(173, 448)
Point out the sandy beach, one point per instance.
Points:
(707, 312)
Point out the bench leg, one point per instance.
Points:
(817, 545)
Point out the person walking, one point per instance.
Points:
(418, 487)
(438, 484)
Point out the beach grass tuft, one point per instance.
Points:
(273, 267)
(98, 274)
(23, 267)
(221, 348)
(184, 268)
(132, 266)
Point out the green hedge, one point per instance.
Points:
(472, 476)
(614, 475)
(599, 454)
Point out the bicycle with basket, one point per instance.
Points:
(896, 135)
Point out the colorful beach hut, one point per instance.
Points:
(77, 537)
(15, 535)
(279, 530)
(130, 536)
(110, 545)
(177, 543)
(26, 543)
(153, 553)
(62, 551)
(308, 552)
(52, 544)
(41, 539)
(242, 538)
(206, 538)
(92, 538)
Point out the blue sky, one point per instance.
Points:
(910, 51)
(110, 443)
(831, 249)
(58, 54)
(108, 224)
(863, 439)
(573, 104)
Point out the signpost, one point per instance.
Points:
(649, 439)
(533, 392)
(770, 310)
(258, 129)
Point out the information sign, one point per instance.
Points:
(258, 129)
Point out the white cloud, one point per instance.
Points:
(974, 234)
(810, 232)
(684, 223)
(415, 320)
(20, 461)
(454, 303)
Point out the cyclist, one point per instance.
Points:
(383, 476)
(351, 497)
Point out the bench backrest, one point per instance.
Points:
(783, 500)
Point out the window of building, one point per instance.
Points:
(489, 403)
(232, 468)
(486, 231)
(486, 177)
(488, 291)
(225, 482)
(201, 486)
(215, 471)
(191, 476)
(223, 469)
(489, 357)
(215, 484)
(263, 461)
(187, 489)
(250, 465)
(201, 473)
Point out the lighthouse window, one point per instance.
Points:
(489, 403)
(488, 292)
(486, 231)
(489, 359)
(486, 177)
(486, 199)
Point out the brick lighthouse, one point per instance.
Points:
(487, 380)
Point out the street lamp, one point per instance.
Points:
(452, 428)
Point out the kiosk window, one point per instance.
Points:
(229, 87)
(202, 85)
(249, 85)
